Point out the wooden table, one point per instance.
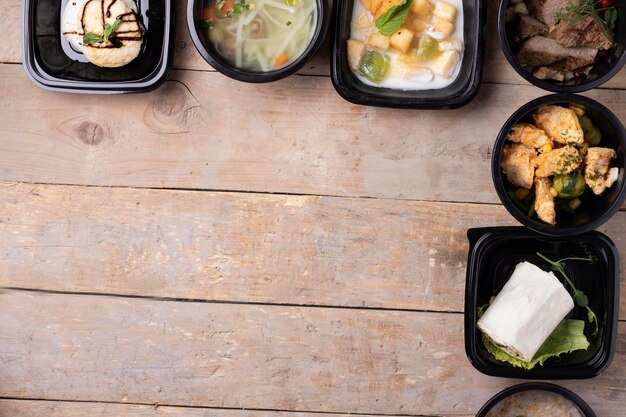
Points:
(221, 249)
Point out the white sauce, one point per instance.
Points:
(394, 78)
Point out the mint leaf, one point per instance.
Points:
(110, 29)
(394, 18)
(91, 38)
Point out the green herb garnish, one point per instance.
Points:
(288, 23)
(109, 30)
(393, 18)
(576, 13)
(580, 298)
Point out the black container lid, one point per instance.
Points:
(603, 70)
(537, 386)
(213, 58)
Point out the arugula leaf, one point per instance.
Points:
(482, 309)
(567, 337)
(579, 297)
(393, 18)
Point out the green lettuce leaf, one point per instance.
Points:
(567, 337)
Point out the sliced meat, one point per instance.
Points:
(545, 10)
(544, 202)
(597, 163)
(557, 162)
(517, 164)
(529, 135)
(540, 51)
(528, 26)
(560, 123)
(577, 34)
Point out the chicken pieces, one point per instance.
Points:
(549, 159)
(544, 202)
(561, 124)
(517, 164)
(597, 163)
(529, 135)
(558, 162)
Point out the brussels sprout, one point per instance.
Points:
(374, 66)
(591, 132)
(426, 48)
(569, 185)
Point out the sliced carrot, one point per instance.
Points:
(281, 60)
(227, 7)
(208, 13)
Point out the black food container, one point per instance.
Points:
(603, 70)
(595, 210)
(52, 63)
(494, 253)
(456, 95)
(213, 58)
(582, 406)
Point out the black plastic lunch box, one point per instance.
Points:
(494, 253)
(456, 95)
(582, 406)
(52, 64)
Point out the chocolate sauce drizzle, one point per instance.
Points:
(115, 41)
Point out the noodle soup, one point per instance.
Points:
(259, 35)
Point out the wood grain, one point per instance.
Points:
(98, 348)
(185, 136)
(30, 408)
(244, 247)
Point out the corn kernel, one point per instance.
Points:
(521, 193)
(545, 148)
(553, 192)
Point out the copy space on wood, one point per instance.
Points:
(259, 357)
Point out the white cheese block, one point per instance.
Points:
(526, 311)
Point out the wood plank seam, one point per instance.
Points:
(200, 407)
(251, 192)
